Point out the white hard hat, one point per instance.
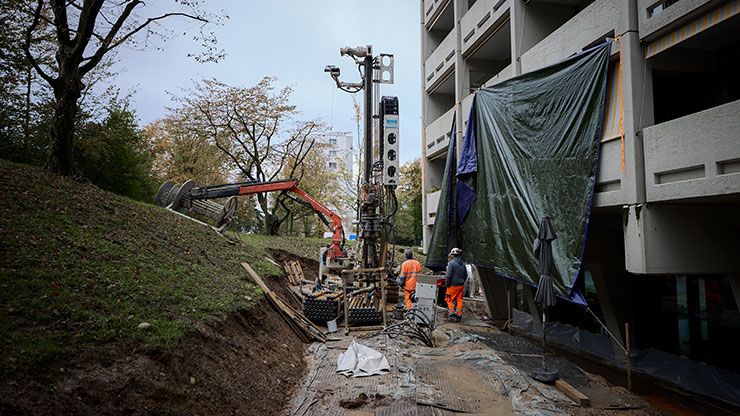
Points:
(455, 252)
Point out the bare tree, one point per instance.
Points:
(257, 130)
(86, 31)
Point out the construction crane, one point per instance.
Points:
(188, 198)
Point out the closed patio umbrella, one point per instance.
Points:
(545, 296)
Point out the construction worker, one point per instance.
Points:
(455, 279)
(410, 270)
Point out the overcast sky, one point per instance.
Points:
(293, 40)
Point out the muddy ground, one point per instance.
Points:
(247, 364)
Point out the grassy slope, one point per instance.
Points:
(307, 247)
(81, 267)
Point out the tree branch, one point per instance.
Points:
(60, 23)
(108, 43)
(105, 45)
(27, 44)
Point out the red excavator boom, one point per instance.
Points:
(190, 197)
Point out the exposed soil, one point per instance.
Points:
(310, 267)
(468, 383)
(246, 364)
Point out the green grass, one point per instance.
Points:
(80, 267)
(307, 247)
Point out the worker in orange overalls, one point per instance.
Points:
(455, 280)
(410, 270)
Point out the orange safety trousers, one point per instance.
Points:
(408, 290)
(410, 270)
(454, 298)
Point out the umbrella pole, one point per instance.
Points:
(544, 336)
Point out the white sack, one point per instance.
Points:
(361, 361)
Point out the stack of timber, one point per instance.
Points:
(294, 271)
(304, 328)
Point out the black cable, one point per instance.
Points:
(408, 327)
(395, 203)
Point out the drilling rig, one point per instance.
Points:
(368, 280)
(379, 158)
(377, 202)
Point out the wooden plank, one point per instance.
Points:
(573, 394)
(294, 318)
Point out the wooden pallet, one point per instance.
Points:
(294, 272)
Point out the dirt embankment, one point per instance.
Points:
(310, 267)
(247, 364)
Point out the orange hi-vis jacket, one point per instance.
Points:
(410, 269)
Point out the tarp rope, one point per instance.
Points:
(624, 349)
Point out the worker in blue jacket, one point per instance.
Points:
(455, 280)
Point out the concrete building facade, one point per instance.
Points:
(339, 152)
(339, 149)
(663, 250)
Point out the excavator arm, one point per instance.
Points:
(187, 195)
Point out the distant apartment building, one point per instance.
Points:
(339, 149)
(663, 247)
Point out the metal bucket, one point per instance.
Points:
(331, 326)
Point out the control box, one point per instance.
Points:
(426, 297)
(390, 135)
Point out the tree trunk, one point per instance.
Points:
(66, 92)
(272, 224)
(27, 109)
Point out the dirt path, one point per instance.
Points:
(467, 383)
(464, 373)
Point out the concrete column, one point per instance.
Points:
(612, 297)
(424, 98)
(516, 17)
(636, 98)
(462, 75)
(495, 291)
(638, 113)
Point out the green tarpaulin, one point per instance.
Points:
(530, 150)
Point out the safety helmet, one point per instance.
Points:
(455, 252)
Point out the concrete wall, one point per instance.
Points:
(440, 63)
(541, 19)
(694, 156)
(437, 134)
(432, 203)
(432, 8)
(480, 19)
(673, 16)
(682, 239)
(592, 23)
(503, 75)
